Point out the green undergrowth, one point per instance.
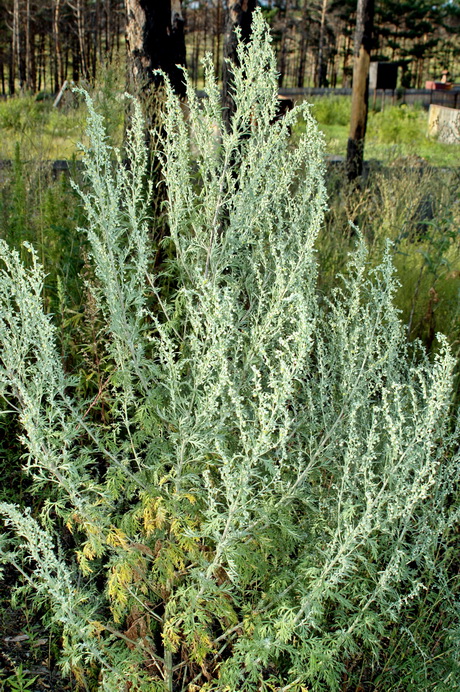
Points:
(417, 208)
(42, 132)
(394, 132)
(47, 133)
(39, 205)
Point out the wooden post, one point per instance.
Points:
(360, 92)
(58, 98)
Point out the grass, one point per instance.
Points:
(397, 131)
(417, 209)
(44, 132)
(47, 133)
(41, 131)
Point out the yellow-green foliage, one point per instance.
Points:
(398, 125)
(41, 131)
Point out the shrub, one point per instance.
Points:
(274, 486)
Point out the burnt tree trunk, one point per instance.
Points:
(80, 17)
(16, 49)
(28, 62)
(218, 35)
(360, 92)
(321, 66)
(304, 40)
(238, 13)
(155, 41)
(58, 72)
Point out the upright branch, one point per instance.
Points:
(273, 495)
(360, 94)
(155, 47)
(238, 15)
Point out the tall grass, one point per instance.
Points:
(44, 132)
(417, 208)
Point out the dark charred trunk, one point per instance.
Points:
(155, 41)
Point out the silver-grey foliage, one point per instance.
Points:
(279, 471)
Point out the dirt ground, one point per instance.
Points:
(26, 651)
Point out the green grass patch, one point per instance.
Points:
(44, 132)
(41, 131)
(397, 131)
(47, 133)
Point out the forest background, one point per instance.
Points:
(44, 42)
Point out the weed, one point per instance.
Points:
(332, 110)
(19, 681)
(398, 125)
(416, 207)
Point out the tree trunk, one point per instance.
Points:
(282, 59)
(16, 43)
(57, 46)
(360, 93)
(178, 53)
(108, 27)
(218, 34)
(346, 56)
(80, 17)
(303, 45)
(97, 43)
(321, 69)
(41, 61)
(29, 81)
(196, 50)
(155, 40)
(75, 59)
(238, 13)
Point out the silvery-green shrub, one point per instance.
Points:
(276, 476)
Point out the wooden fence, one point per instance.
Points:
(449, 98)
